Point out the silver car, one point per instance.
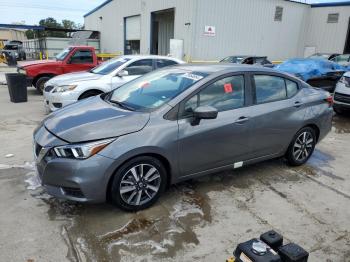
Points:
(177, 123)
(342, 95)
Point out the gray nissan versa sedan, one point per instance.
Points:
(177, 123)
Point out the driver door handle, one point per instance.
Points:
(297, 104)
(242, 120)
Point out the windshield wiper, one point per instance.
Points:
(122, 105)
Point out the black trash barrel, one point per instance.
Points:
(17, 85)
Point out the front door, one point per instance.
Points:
(216, 142)
(134, 70)
(81, 60)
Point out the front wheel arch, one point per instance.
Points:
(90, 92)
(161, 158)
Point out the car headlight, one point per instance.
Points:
(81, 151)
(344, 81)
(61, 89)
(22, 71)
(16, 54)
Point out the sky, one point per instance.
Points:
(31, 11)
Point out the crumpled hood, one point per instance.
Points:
(93, 119)
(36, 62)
(73, 77)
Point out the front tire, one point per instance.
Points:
(40, 83)
(138, 183)
(301, 147)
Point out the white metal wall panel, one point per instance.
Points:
(247, 27)
(328, 37)
(242, 26)
(133, 28)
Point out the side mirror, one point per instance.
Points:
(122, 73)
(204, 112)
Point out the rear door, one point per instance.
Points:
(80, 60)
(277, 113)
(216, 142)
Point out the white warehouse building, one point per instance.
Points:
(208, 30)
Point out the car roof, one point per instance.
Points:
(220, 67)
(246, 56)
(150, 56)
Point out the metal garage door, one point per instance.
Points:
(132, 34)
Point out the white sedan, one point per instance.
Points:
(66, 89)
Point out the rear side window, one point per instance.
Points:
(269, 88)
(273, 88)
(224, 94)
(140, 67)
(82, 57)
(292, 88)
(163, 63)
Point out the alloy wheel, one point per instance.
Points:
(140, 184)
(303, 146)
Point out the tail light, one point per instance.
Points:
(329, 100)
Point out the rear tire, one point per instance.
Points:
(89, 94)
(301, 147)
(40, 83)
(138, 183)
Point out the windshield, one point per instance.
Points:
(11, 47)
(61, 56)
(233, 59)
(154, 89)
(319, 56)
(109, 66)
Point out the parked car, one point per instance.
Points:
(343, 60)
(326, 56)
(68, 88)
(174, 124)
(249, 60)
(14, 49)
(72, 59)
(316, 72)
(342, 94)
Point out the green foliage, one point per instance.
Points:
(52, 23)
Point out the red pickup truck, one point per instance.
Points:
(72, 59)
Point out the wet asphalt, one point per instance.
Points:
(198, 220)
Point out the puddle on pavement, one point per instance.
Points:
(341, 124)
(105, 233)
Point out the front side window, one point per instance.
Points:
(109, 66)
(154, 89)
(269, 88)
(224, 94)
(82, 57)
(140, 67)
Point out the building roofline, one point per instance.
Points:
(98, 7)
(345, 3)
(108, 1)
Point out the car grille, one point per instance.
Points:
(342, 98)
(48, 88)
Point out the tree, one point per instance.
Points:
(51, 22)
